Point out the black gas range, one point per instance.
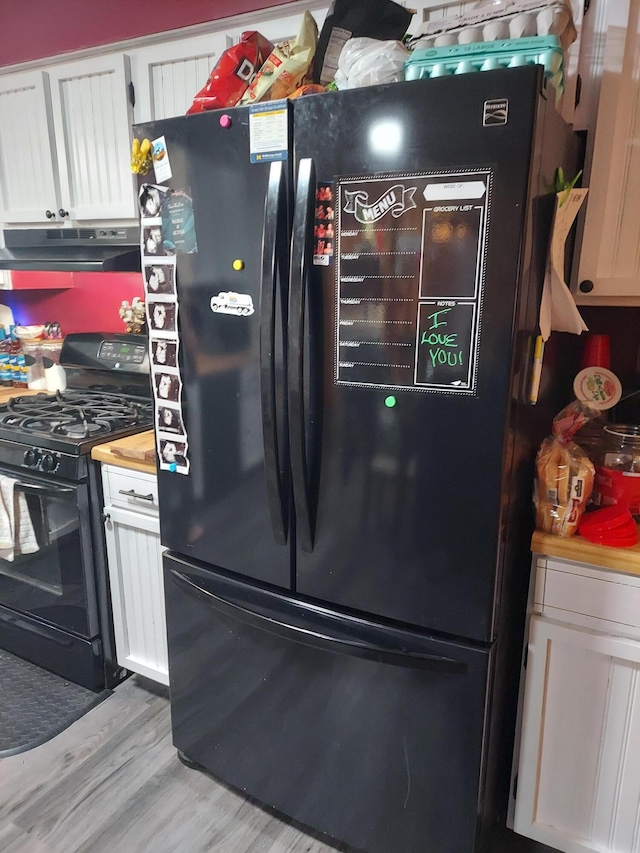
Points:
(54, 591)
(55, 433)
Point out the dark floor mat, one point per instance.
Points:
(36, 705)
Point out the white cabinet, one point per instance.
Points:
(92, 118)
(28, 167)
(134, 556)
(609, 265)
(578, 784)
(65, 143)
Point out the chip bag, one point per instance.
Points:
(235, 69)
(564, 473)
(286, 66)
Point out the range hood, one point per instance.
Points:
(72, 249)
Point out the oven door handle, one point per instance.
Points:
(31, 488)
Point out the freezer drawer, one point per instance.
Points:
(370, 734)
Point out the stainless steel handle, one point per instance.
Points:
(130, 493)
(31, 487)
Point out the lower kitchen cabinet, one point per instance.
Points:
(132, 530)
(578, 781)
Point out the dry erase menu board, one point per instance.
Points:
(410, 260)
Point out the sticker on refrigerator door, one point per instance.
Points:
(229, 302)
(323, 229)
(496, 112)
(160, 157)
(269, 131)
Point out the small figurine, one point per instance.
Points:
(133, 315)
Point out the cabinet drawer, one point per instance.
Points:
(130, 489)
(588, 596)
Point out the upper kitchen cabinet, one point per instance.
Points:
(609, 265)
(92, 118)
(28, 170)
(167, 75)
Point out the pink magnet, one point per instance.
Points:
(225, 121)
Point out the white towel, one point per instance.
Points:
(17, 534)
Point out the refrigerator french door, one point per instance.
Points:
(348, 554)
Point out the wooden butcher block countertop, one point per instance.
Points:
(136, 452)
(7, 393)
(580, 551)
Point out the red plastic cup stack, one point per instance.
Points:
(596, 352)
(613, 526)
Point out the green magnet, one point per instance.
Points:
(390, 402)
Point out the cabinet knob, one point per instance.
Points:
(586, 286)
(63, 212)
(49, 214)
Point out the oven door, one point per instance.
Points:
(54, 583)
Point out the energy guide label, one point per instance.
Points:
(410, 269)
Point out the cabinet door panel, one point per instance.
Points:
(609, 255)
(578, 775)
(92, 117)
(27, 150)
(137, 592)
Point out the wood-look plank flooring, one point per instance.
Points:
(111, 783)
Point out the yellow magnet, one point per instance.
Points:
(238, 265)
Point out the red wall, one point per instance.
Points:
(90, 305)
(32, 29)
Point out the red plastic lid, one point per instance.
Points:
(605, 519)
(623, 531)
(621, 541)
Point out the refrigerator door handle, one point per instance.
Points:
(301, 238)
(276, 197)
(334, 643)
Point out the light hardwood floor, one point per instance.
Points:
(111, 783)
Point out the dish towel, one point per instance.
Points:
(17, 533)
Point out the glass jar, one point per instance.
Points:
(617, 480)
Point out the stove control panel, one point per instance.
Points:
(120, 352)
(41, 460)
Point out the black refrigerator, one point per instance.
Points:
(348, 544)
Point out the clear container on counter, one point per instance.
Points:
(617, 481)
(42, 359)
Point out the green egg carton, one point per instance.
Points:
(488, 56)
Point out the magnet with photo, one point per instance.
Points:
(162, 316)
(169, 419)
(160, 279)
(172, 454)
(324, 228)
(167, 386)
(150, 200)
(152, 242)
(164, 353)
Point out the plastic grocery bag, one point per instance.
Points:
(286, 66)
(366, 62)
(235, 69)
(347, 19)
(564, 473)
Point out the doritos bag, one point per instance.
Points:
(235, 69)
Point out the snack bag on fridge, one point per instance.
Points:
(286, 66)
(233, 72)
(564, 473)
